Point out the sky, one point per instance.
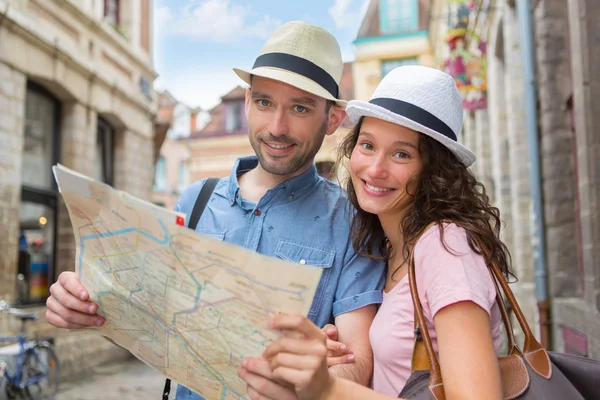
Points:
(198, 42)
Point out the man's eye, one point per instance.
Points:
(300, 109)
(264, 103)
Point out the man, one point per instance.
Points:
(276, 204)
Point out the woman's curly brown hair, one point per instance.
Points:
(445, 190)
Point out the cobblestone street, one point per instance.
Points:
(129, 380)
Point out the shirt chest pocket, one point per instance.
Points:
(305, 254)
(212, 234)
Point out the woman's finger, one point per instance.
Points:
(264, 388)
(347, 359)
(331, 331)
(260, 367)
(254, 395)
(336, 349)
(299, 324)
(295, 346)
(303, 362)
(299, 378)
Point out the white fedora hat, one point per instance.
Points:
(302, 55)
(420, 98)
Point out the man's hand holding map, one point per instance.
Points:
(188, 305)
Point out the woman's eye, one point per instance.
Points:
(367, 146)
(402, 154)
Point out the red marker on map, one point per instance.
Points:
(179, 221)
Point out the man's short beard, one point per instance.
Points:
(297, 162)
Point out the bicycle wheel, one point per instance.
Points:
(40, 362)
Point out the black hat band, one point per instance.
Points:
(416, 114)
(300, 66)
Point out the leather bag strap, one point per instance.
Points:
(424, 357)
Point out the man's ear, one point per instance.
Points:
(247, 101)
(337, 114)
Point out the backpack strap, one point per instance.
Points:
(201, 201)
(167, 389)
(199, 206)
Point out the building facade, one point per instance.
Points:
(216, 146)
(76, 89)
(392, 33)
(172, 169)
(530, 87)
(172, 173)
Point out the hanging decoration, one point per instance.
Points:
(467, 64)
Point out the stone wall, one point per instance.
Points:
(91, 71)
(582, 314)
(134, 164)
(483, 152)
(12, 112)
(497, 109)
(557, 143)
(518, 160)
(585, 43)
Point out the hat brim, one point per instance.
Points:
(357, 109)
(290, 78)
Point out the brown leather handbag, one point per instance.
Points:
(529, 374)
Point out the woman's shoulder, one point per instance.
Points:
(448, 270)
(449, 242)
(451, 233)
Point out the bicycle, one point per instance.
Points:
(37, 374)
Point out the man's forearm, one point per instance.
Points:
(353, 331)
(360, 371)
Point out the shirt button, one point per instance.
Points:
(257, 213)
(291, 196)
(302, 262)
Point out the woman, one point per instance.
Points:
(414, 196)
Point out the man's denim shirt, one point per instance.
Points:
(303, 220)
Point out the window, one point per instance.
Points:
(397, 16)
(105, 152)
(182, 181)
(111, 11)
(234, 117)
(39, 194)
(388, 65)
(36, 248)
(182, 121)
(160, 175)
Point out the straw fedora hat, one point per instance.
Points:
(420, 98)
(302, 55)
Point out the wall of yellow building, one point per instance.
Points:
(367, 66)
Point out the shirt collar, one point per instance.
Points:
(294, 187)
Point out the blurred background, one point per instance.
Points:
(140, 94)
